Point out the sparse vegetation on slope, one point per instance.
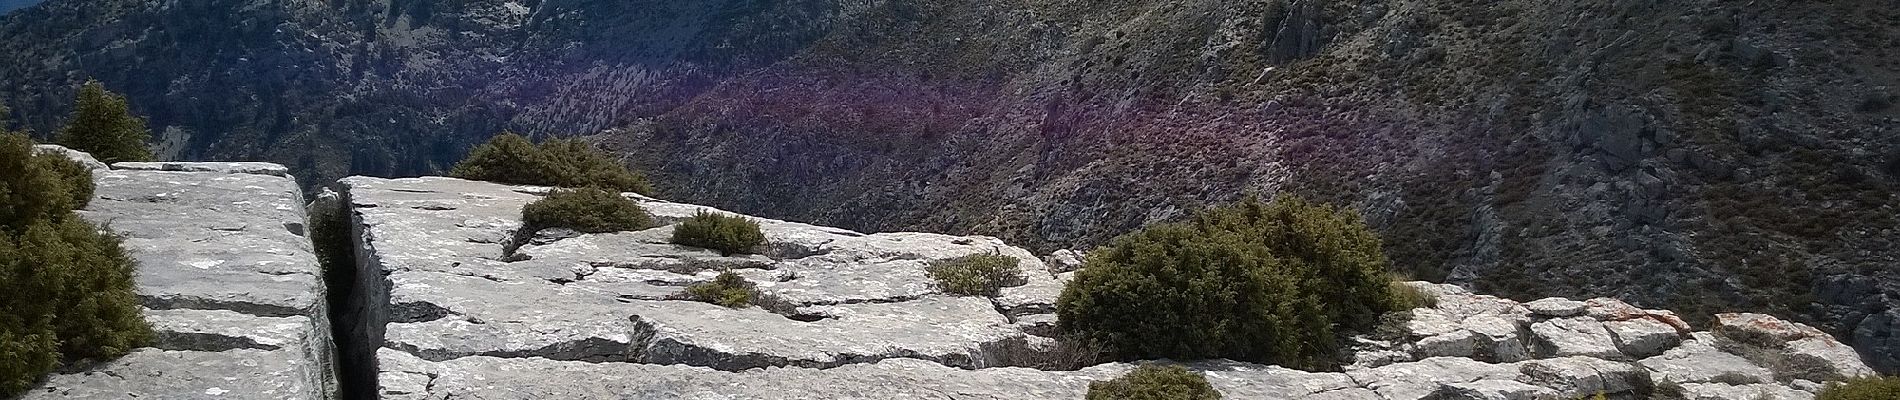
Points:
(510, 158)
(1155, 382)
(1864, 388)
(1254, 281)
(728, 289)
(730, 234)
(976, 274)
(588, 210)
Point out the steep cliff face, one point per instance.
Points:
(1701, 155)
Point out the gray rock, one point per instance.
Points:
(1576, 377)
(1576, 336)
(1722, 391)
(213, 240)
(230, 284)
(159, 374)
(956, 331)
(1643, 337)
(1494, 389)
(220, 330)
(1697, 361)
(1422, 379)
(1793, 350)
(82, 157)
(1556, 307)
(255, 168)
(1064, 260)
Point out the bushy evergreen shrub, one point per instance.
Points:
(1864, 388)
(976, 274)
(730, 234)
(512, 159)
(505, 158)
(96, 306)
(66, 287)
(1255, 281)
(77, 177)
(578, 164)
(728, 289)
(103, 125)
(587, 210)
(1155, 382)
(30, 190)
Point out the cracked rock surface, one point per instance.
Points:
(228, 280)
(469, 307)
(452, 278)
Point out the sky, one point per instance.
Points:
(7, 6)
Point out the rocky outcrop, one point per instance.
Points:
(459, 303)
(1578, 348)
(228, 280)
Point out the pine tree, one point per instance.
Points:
(103, 125)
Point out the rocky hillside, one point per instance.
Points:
(1705, 156)
(452, 301)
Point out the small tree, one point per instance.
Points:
(729, 234)
(103, 125)
(1254, 282)
(976, 274)
(587, 210)
(728, 289)
(1154, 382)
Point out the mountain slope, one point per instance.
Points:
(1697, 155)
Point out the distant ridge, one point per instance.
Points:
(7, 6)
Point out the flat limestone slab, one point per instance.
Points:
(160, 374)
(229, 282)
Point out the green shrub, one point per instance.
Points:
(97, 306)
(512, 159)
(976, 274)
(728, 289)
(31, 352)
(578, 164)
(34, 192)
(587, 210)
(1255, 281)
(730, 234)
(506, 158)
(77, 177)
(103, 125)
(1154, 382)
(1864, 388)
(67, 284)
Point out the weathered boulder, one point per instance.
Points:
(1495, 389)
(1575, 336)
(1722, 391)
(1698, 361)
(1794, 350)
(1643, 337)
(228, 278)
(83, 158)
(1064, 260)
(1556, 307)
